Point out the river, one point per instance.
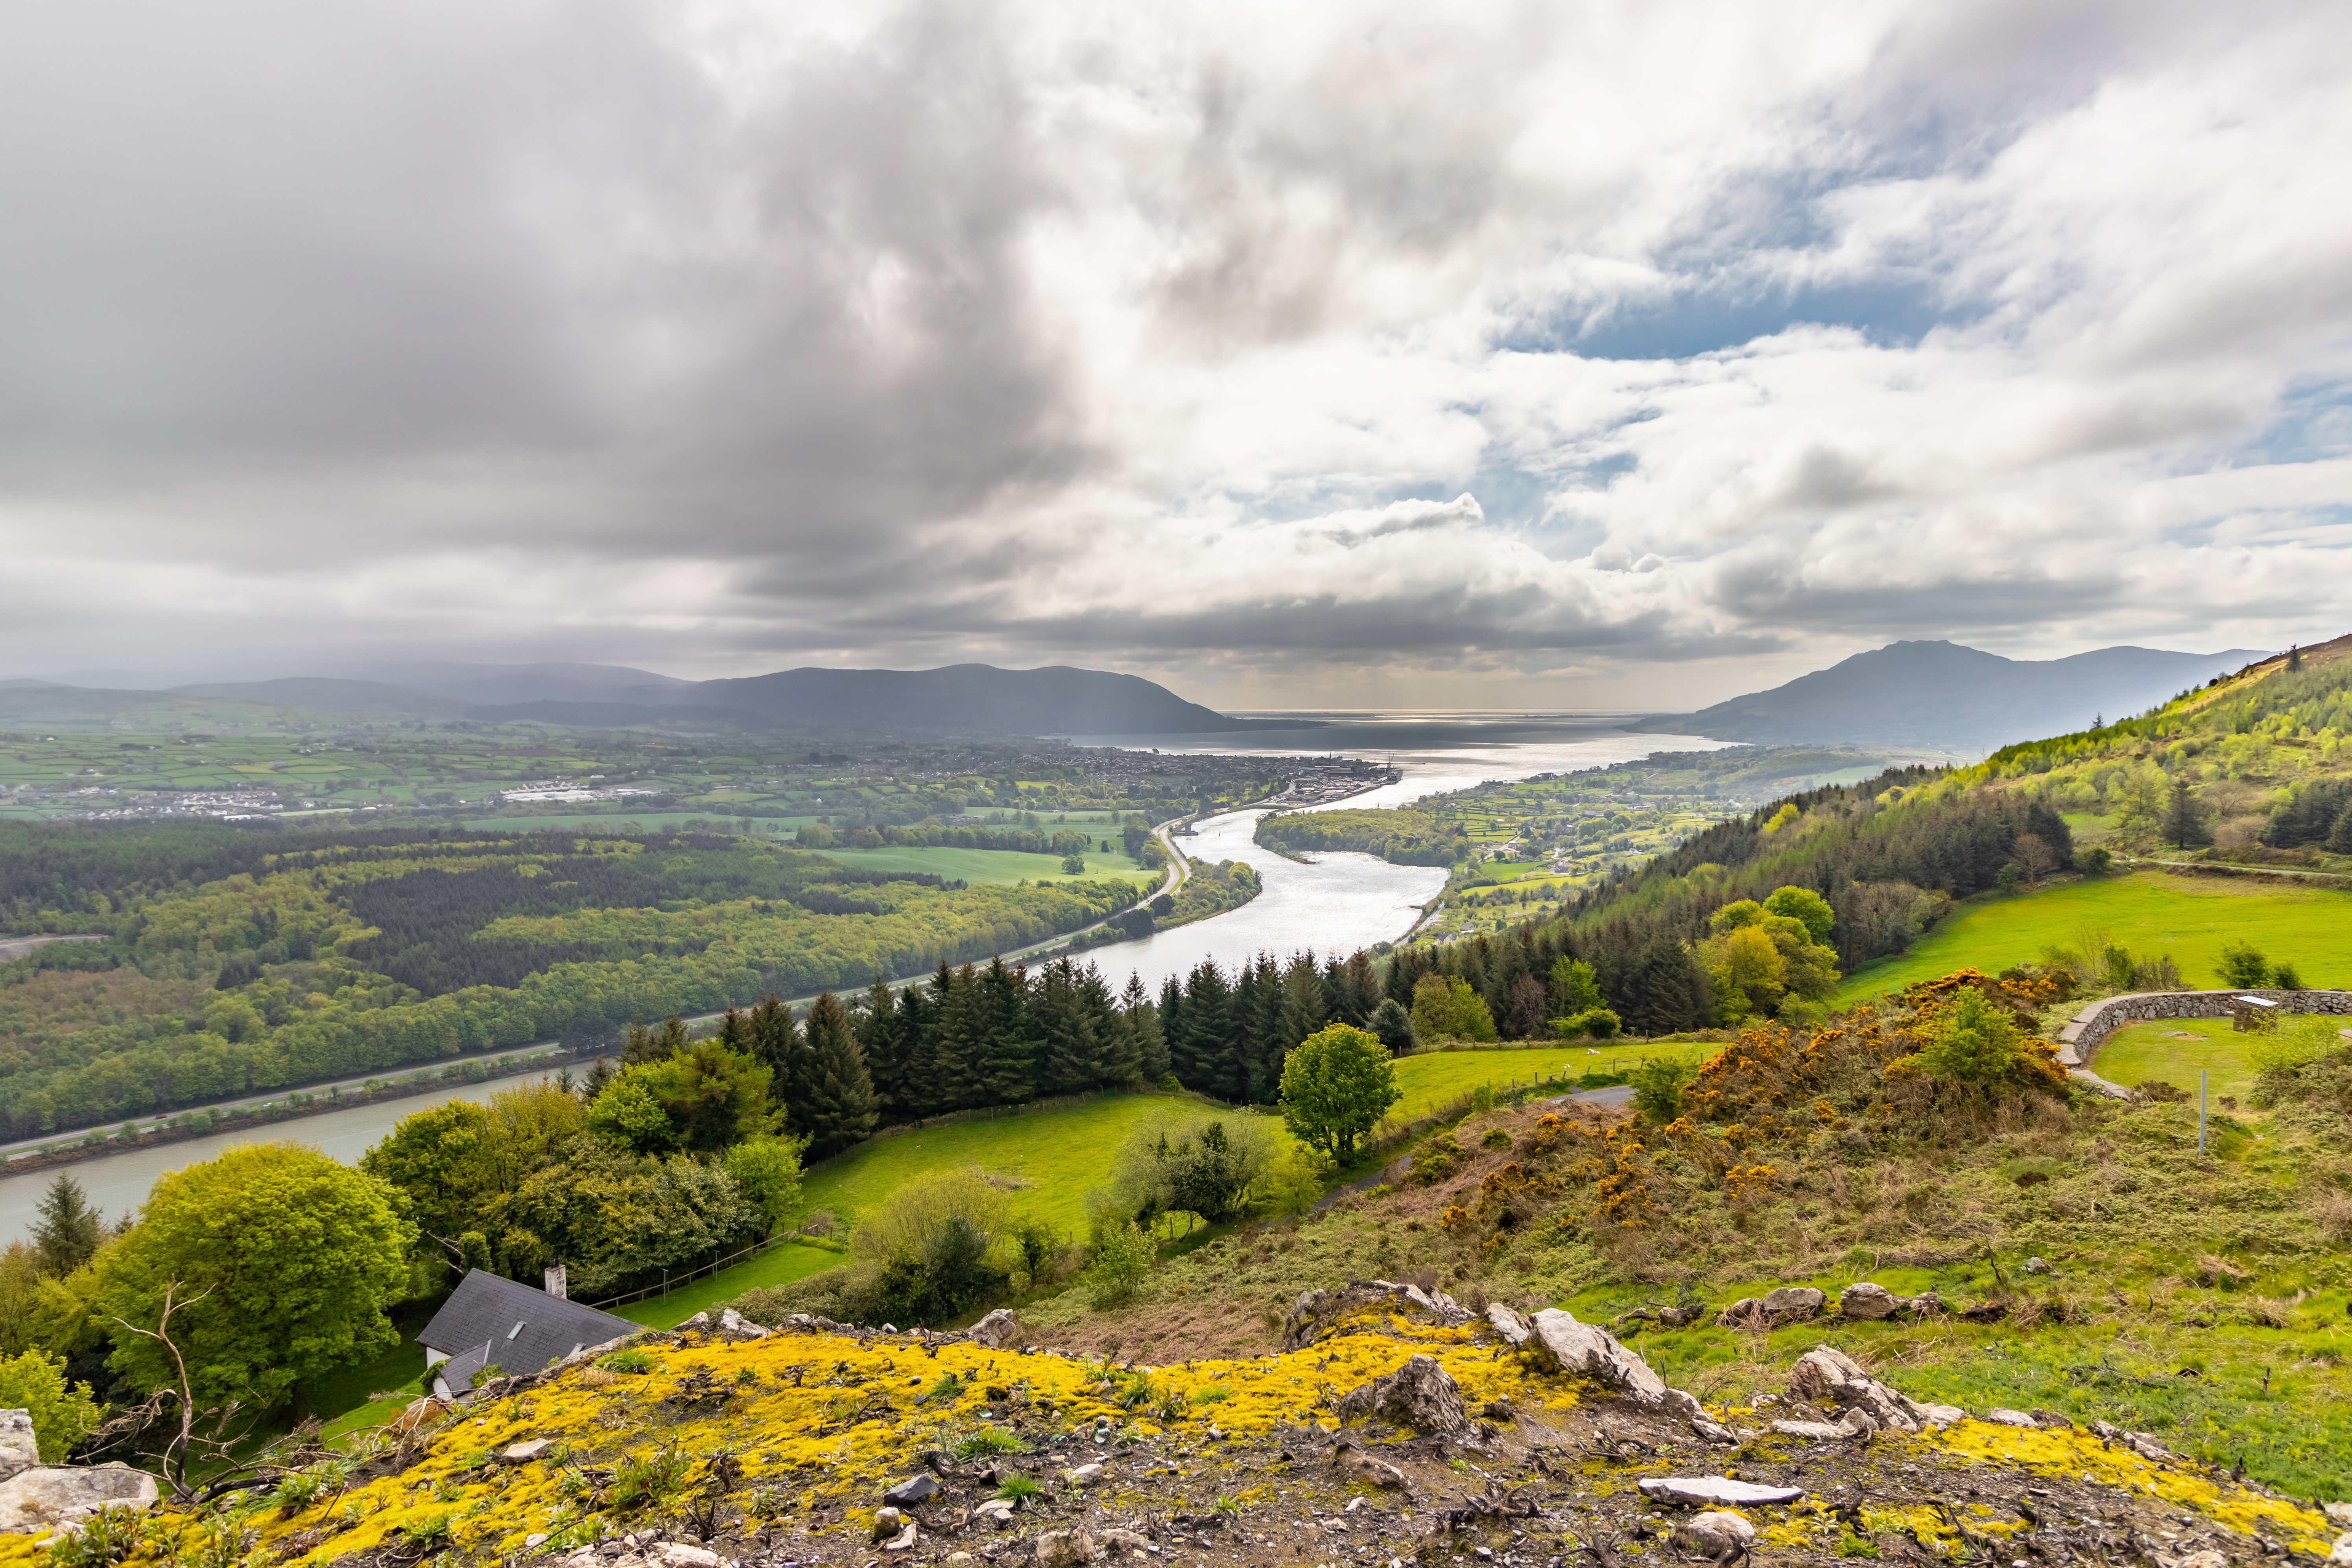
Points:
(118, 1183)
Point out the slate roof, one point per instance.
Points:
(490, 1319)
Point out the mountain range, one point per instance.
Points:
(976, 700)
(1942, 695)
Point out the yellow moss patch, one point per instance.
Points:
(2068, 1451)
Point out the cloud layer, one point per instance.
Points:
(1504, 355)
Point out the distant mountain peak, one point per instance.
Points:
(1946, 696)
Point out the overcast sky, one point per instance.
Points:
(1503, 356)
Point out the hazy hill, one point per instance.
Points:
(1942, 695)
(964, 699)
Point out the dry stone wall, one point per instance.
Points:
(2081, 1037)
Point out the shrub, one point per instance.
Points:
(2244, 967)
(628, 1361)
(1036, 1243)
(2284, 976)
(63, 1413)
(1191, 1162)
(1122, 1257)
(1972, 1041)
(1594, 1023)
(2093, 860)
(1658, 1084)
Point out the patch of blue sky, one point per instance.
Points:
(1705, 321)
(2313, 422)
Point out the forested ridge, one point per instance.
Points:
(316, 957)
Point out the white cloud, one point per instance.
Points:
(1501, 351)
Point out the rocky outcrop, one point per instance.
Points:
(1828, 1379)
(1597, 1353)
(1515, 1329)
(1421, 1394)
(1318, 1314)
(45, 1494)
(1869, 1302)
(995, 1330)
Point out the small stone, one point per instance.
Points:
(1941, 1415)
(902, 1541)
(2208, 1557)
(734, 1323)
(1813, 1431)
(2001, 1417)
(699, 1321)
(1084, 1476)
(1129, 1540)
(887, 1521)
(1714, 1534)
(998, 1509)
(679, 1554)
(1062, 1548)
(1791, 1302)
(524, 1453)
(1353, 1504)
(920, 1486)
(1700, 1491)
(1359, 1466)
(536, 1538)
(2036, 1265)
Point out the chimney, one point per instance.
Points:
(555, 1284)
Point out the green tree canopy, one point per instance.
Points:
(702, 1099)
(1445, 1007)
(63, 1413)
(1805, 905)
(1336, 1086)
(294, 1256)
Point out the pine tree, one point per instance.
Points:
(1143, 1020)
(1007, 1070)
(1118, 1064)
(2294, 658)
(1257, 1009)
(66, 1230)
(1069, 1052)
(919, 1026)
(1211, 1061)
(835, 1107)
(1305, 1004)
(956, 1058)
(881, 1041)
(774, 1042)
(2184, 818)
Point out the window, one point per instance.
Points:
(513, 1331)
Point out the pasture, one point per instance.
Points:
(978, 865)
(2186, 918)
(2174, 1050)
(1049, 1160)
(779, 1265)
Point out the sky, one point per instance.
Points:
(1499, 356)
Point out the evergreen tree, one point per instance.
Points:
(1069, 1054)
(645, 1044)
(1009, 1048)
(774, 1042)
(66, 1229)
(1174, 1045)
(835, 1107)
(1141, 1020)
(1208, 1062)
(881, 1040)
(2184, 818)
(957, 1060)
(1305, 1004)
(1261, 1042)
(1119, 1063)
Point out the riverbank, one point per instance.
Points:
(206, 1121)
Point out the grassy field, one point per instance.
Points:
(2187, 919)
(777, 1266)
(1431, 1081)
(2174, 1050)
(989, 865)
(1056, 1156)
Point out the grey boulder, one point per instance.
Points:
(44, 1496)
(1868, 1301)
(1714, 1534)
(19, 1449)
(1829, 1377)
(997, 1329)
(1581, 1347)
(920, 1486)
